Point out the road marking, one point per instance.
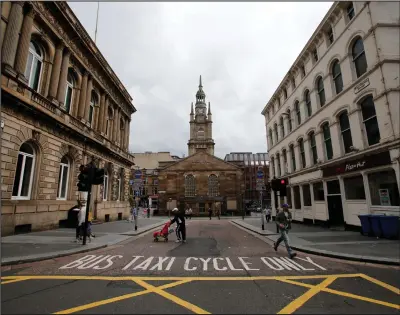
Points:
(14, 280)
(380, 283)
(314, 290)
(346, 294)
(171, 297)
(118, 298)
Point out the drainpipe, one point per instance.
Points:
(380, 67)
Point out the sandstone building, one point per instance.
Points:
(333, 122)
(201, 180)
(61, 106)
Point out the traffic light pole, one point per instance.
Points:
(91, 176)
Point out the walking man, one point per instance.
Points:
(209, 213)
(283, 222)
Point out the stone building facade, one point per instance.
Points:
(62, 106)
(333, 126)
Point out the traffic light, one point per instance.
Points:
(275, 184)
(282, 187)
(84, 178)
(98, 176)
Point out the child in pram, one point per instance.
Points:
(165, 231)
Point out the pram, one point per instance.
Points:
(165, 231)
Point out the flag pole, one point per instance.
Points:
(97, 20)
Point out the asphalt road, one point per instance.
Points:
(221, 269)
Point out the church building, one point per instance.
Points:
(201, 181)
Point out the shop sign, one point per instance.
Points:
(384, 197)
(353, 165)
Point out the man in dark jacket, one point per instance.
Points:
(283, 221)
(179, 218)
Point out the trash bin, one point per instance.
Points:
(365, 224)
(376, 225)
(390, 226)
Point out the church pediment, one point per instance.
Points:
(201, 161)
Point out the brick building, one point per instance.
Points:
(61, 106)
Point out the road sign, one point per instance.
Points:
(260, 174)
(138, 174)
(260, 181)
(131, 182)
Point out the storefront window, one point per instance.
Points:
(354, 188)
(318, 191)
(383, 188)
(306, 195)
(296, 197)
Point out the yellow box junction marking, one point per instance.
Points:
(289, 309)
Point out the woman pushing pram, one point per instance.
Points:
(179, 218)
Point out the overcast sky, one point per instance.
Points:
(242, 51)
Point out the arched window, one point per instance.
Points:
(307, 100)
(282, 126)
(327, 141)
(213, 190)
(313, 148)
(63, 179)
(285, 168)
(93, 103)
(24, 173)
(370, 121)
(292, 157)
(271, 140)
(34, 66)
(337, 76)
(302, 153)
(276, 132)
(278, 164)
(108, 121)
(69, 90)
(345, 132)
(190, 186)
(201, 134)
(289, 116)
(321, 91)
(298, 114)
(105, 186)
(359, 59)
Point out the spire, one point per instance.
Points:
(200, 95)
(191, 109)
(200, 85)
(209, 108)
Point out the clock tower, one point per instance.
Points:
(201, 125)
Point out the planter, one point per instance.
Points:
(390, 226)
(376, 225)
(366, 228)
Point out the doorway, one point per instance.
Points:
(335, 206)
(202, 207)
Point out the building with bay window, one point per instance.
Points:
(333, 122)
(62, 106)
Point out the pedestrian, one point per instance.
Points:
(186, 213)
(209, 213)
(179, 218)
(77, 228)
(218, 213)
(132, 212)
(81, 219)
(282, 222)
(148, 212)
(190, 213)
(268, 214)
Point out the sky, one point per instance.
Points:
(159, 49)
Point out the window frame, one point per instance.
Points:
(359, 58)
(35, 59)
(293, 157)
(69, 86)
(290, 125)
(302, 153)
(313, 147)
(320, 87)
(282, 126)
(372, 118)
(193, 188)
(24, 157)
(62, 169)
(327, 140)
(105, 187)
(213, 185)
(337, 77)
(342, 132)
(307, 101)
(350, 12)
(298, 112)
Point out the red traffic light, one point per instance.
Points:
(282, 181)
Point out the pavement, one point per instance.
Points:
(322, 241)
(221, 269)
(42, 245)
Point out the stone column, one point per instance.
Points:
(118, 135)
(99, 123)
(319, 141)
(115, 125)
(55, 74)
(105, 115)
(10, 41)
(289, 161)
(62, 83)
(88, 98)
(335, 139)
(127, 131)
(82, 98)
(307, 152)
(24, 41)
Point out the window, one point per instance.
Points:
(105, 187)
(302, 153)
(327, 141)
(282, 126)
(298, 114)
(272, 166)
(330, 35)
(293, 157)
(303, 71)
(34, 66)
(276, 132)
(213, 190)
(307, 100)
(69, 91)
(370, 121)
(108, 121)
(63, 178)
(306, 195)
(285, 168)
(313, 147)
(315, 54)
(93, 103)
(350, 11)
(345, 131)
(354, 188)
(383, 188)
(271, 140)
(278, 164)
(289, 116)
(337, 76)
(190, 186)
(285, 93)
(296, 197)
(359, 59)
(318, 189)
(24, 172)
(321, 91)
